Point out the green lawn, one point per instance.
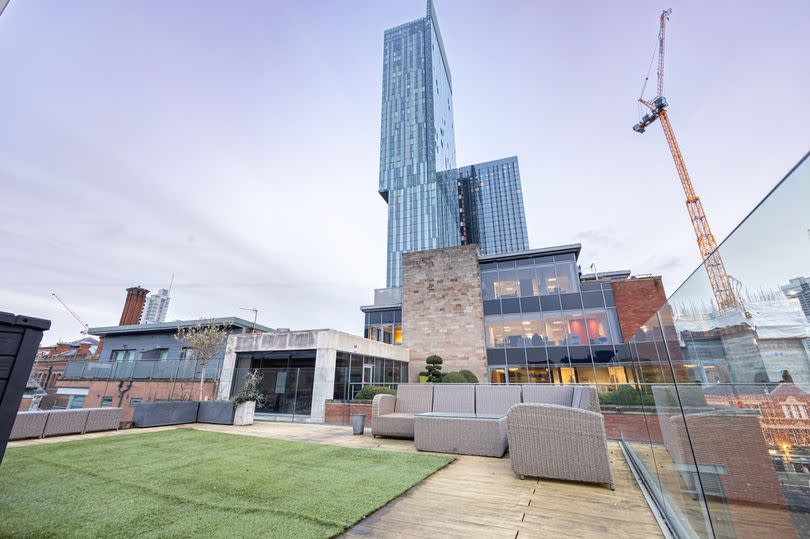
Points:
(194, 483)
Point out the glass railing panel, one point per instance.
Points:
(731, 385)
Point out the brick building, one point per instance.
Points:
(524, 317)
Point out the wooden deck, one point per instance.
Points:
(481, 497)
(473, 496)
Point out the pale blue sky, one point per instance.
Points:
(236, 144)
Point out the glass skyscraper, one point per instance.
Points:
(431, 203)
(489, 201)
(416, 138)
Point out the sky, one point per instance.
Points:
(236, 144)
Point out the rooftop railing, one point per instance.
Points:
(163, 369)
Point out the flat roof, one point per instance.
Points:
(615, 275)
(574, 248)
(160, 327)
(386, 307)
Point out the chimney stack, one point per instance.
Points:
(136, 297)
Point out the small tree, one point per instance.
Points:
(206, 339)
(250, 390)
(468, 376)
(434, 368)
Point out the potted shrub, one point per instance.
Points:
(434, 369)
(244, 402)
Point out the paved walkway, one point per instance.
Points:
(473, 496)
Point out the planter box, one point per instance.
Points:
(340, 412)
(216, 412)
(155, 414)
(244, 413)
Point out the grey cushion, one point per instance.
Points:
(414, 398)
(400, 425)
(548, 394)
(459, 398)
(496, 399)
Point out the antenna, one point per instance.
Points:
(170, 284)
(76, 316)
(255, 311)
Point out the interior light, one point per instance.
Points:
(526, 323)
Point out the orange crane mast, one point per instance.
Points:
(715, 267)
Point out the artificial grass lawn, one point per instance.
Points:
(194, 483)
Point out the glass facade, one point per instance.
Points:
(353, 371)
(431, 204)
(490, 205)
(542, 325)
(719, 429)
(384, 326)
(417, 138)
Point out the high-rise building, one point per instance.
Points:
(157, 304)
(799, 288)
(490, 205)
(431, 203)
(416, 139)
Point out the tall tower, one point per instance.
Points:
(157, 305)
(416, 140)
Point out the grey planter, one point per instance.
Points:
(217, 412)
(155, 414)
(358, 423)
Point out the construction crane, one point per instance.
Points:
(718, 276)
(76, 316)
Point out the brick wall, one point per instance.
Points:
(442, 309)
(340, 413)
(637, 300)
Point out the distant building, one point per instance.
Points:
(143, 362)
(431, 203)
(156, 307)
(799, 288)
(51, 360)
(490, 206)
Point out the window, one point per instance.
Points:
(555, 330)
(538, 375)
(186, 353)
(507, 285)
(76, 401)
(567, 279)
(133, 402)
(122, 355)
(106, 401)
(497, 375)
(546, 278)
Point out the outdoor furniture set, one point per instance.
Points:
(40, 424)
(551, 431)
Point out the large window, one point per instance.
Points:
(353, 371)
(554, 328)
(384, 326)
(543, 277)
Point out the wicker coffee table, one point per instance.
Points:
(464, 434)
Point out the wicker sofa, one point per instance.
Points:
(553, 431)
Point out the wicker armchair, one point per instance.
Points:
(394, 416)
(558, 442)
